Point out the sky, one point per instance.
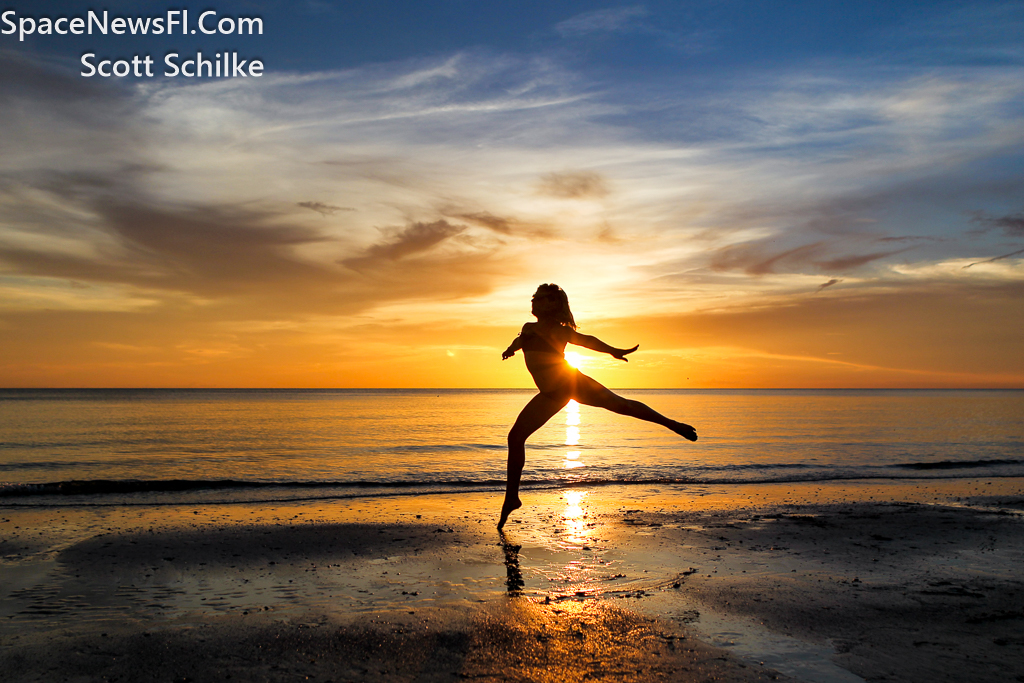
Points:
(784, 194)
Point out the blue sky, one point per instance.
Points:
(682, 38)
(775, 194)
(718, 34)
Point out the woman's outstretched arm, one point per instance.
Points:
(516, 345)
(594, 344)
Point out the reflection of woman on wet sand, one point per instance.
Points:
(543, 345)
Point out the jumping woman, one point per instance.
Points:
(543, 345)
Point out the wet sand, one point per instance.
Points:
(769, 582)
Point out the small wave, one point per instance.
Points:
(755, 467)
(431, 448)
(98, 488)
(955, 464)
(122, 486)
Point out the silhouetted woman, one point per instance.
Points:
(543, 345)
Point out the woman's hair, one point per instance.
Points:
(562, 315)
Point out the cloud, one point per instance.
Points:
(496, 223)
(615, 19)
(504, 225)
(997, 258)
(413, 239)
(974, 33)
(207, 251)
(630, 20)
(848, 263)
(763, 257)
(573, 185)
(25, 79)
(324, 209)
(908, 238)
(1011, 224)
(751, 259)
(63, 121)
(831, 282)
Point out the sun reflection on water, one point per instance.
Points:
(574, 518)
(572, 434)
(572, 504)
(577, 528)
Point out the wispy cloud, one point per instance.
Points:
(614, 19)
(324, 209)
(1012, 224)
(414, 239)
(633, 20)
(986, 33)
(996, 258)
(573, 185)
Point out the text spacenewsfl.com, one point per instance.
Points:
(175, 22)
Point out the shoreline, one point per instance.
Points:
(146, 493)
(908, 582)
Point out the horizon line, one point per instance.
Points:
(944, 388)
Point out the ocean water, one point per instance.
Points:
(101, 447)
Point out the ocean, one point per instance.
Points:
(117, 447)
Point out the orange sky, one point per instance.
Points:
(923, 339)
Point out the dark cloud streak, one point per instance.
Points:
(414, 239)
(751, 259)
(908, 238)
(503, 225)
(324, 209)
(574, 185)
(997, 258)
(848, 263)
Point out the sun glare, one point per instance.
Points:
(573, 499)
(574, 359)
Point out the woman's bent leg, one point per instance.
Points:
(593, 393)
(539, 410)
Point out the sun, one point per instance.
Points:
(574, 359)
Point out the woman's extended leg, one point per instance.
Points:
(539, 410)
(593, 393)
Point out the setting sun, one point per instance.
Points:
(574, 359)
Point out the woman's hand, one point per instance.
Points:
(622, 353)
(508, 353)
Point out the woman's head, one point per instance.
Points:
(551, 303)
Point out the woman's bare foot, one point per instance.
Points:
(684, 430)
(506, 509)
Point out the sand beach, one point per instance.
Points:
(808, 582)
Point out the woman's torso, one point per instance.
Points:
(545, 356)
